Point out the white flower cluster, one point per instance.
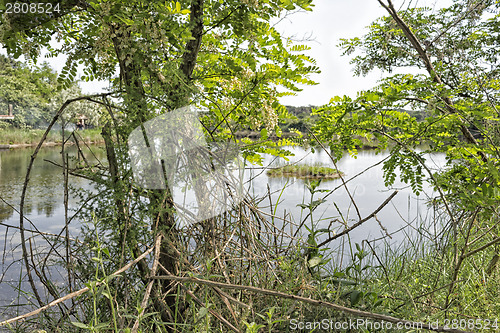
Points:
(269, 114)
(251, 3)
(262, 113)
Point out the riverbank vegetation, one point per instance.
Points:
(34, 94)
(305, 172)
(26, 136)
(133, 268)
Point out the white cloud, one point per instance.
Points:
(329, 21)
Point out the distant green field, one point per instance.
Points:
(10, 136)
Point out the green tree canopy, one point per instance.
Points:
(455, 52)
(225, 55)
(36, 95)
(448, 67)
(28, 91)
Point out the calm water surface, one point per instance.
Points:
(406, 210)
(43, 209)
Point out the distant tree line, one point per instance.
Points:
(302, 117)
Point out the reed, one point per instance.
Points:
(11, 136)
(305, 172)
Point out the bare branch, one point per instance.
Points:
(360, 222)
(76, 293)
(334, 306)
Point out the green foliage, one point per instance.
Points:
(237, 67)
(456, 96)
(300, 120)
(222, 56)
(92, 111)
(304, 171)
(253, 327)
(457, 99)
(99, 289)
(29, 91)
(411, 283)
(241, 62)
(36, 95)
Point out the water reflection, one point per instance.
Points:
(406, 212)
(44, 209)
(44, 202)
(44, 197)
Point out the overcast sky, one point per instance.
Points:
(329, 21)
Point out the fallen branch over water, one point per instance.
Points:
(74, 294)
(360, 222)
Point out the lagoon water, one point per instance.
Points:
(404, 216)
(44, 211)
(366, 187)
(44, 205)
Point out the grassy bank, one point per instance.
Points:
(305, 172)
(427, 284)
(12, 136)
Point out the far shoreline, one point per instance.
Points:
(14, 138)
(45, 144)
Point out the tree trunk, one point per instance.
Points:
(161, 201)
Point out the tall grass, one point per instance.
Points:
(9, 136)
(305, 172)
(262, 263)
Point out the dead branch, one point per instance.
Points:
(354, 312)
(25, 188)
(360, 222)
(76, 293)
